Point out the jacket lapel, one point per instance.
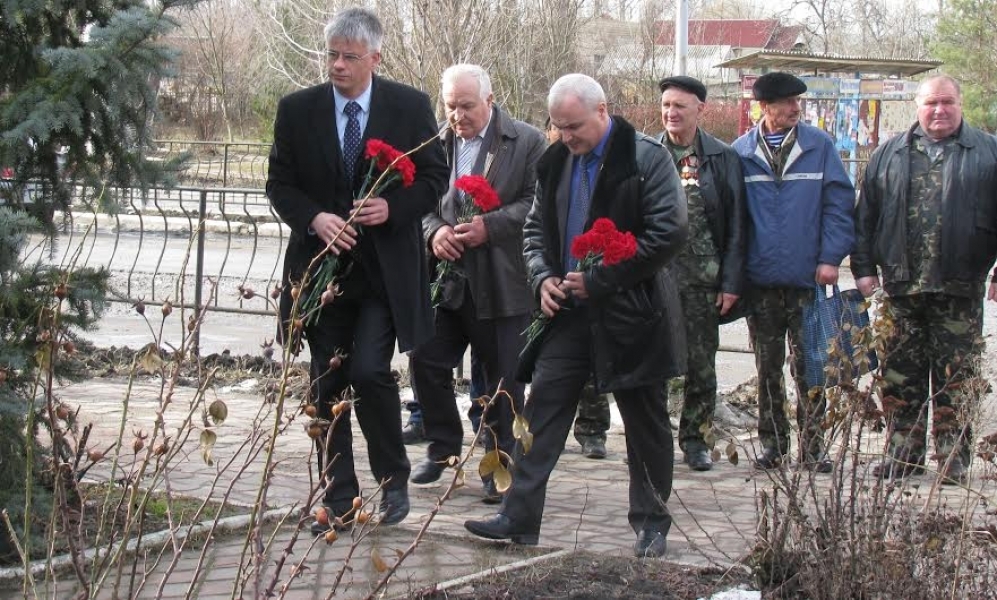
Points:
(324, 119)
(448, 209)
(379, 118)
(562, 198)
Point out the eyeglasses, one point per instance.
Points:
(349, 57)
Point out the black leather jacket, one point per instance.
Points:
(969, 217)
(635, 315)
(721, 183)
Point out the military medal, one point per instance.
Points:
(689, 173)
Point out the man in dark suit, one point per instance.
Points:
(624, 322)
(316, 171)
(489, 304)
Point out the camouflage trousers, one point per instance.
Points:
(932, 357)
(773, 314)
(592, 421)
(702, 322)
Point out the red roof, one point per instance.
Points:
(740, 33)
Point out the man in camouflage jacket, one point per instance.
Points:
(927, 218)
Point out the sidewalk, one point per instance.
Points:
(586, 508)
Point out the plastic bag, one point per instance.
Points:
(830, 320)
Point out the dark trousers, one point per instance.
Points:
(476, 389)
(563, 367)
(359, 325)
(932, 356)
(497, 344)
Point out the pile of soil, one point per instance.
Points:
(589, 576)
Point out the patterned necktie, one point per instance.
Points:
(351, 138)
(577, 212)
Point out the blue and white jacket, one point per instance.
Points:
(803, 220)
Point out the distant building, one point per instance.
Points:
(613, 48)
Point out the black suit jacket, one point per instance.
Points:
(307, 176)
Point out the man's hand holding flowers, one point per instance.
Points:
(327, 226)
(552, 296)
(374, 211)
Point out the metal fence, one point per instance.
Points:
(194, 246)
(219, 164)
(171, 243)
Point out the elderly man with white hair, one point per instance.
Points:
(624, 323)
(488, 304)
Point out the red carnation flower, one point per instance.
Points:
(481, 192)
(604, 226)
(584, 244)
(621, 247)
(406, 168)
(384, 154)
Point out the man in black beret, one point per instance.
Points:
(710, 268)
(799, 201)
(772, 87)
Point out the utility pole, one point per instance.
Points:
(681, 36)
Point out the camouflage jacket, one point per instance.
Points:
(969, 214)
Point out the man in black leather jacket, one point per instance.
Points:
(710, 268)
(624, 321)
(927, 218)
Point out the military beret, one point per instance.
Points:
(776, 86)
(684, 82)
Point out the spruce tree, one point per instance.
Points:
(78, 83)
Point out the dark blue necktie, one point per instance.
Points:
(351, 138)
(578, 212)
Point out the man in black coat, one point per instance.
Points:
(488, 303)
(625, 321)
(316, 172)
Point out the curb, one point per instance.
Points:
(63, 561)
(134, 223)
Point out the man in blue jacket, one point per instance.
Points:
(800, 203)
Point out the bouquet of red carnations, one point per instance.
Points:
(602, 244)
(483, 198)
(390, 166)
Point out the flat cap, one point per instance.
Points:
(776, 86)
(684, 82)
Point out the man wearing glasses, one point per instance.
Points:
(316, 171)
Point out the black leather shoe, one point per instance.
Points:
(594, 448)
(770, 458)
(698, 458)
(651, 543)
(492, 495)
(501, 527)
(427, 471)
(394, 506)
(413, 433)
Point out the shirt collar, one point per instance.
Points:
(600, 148)
(363, 99)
